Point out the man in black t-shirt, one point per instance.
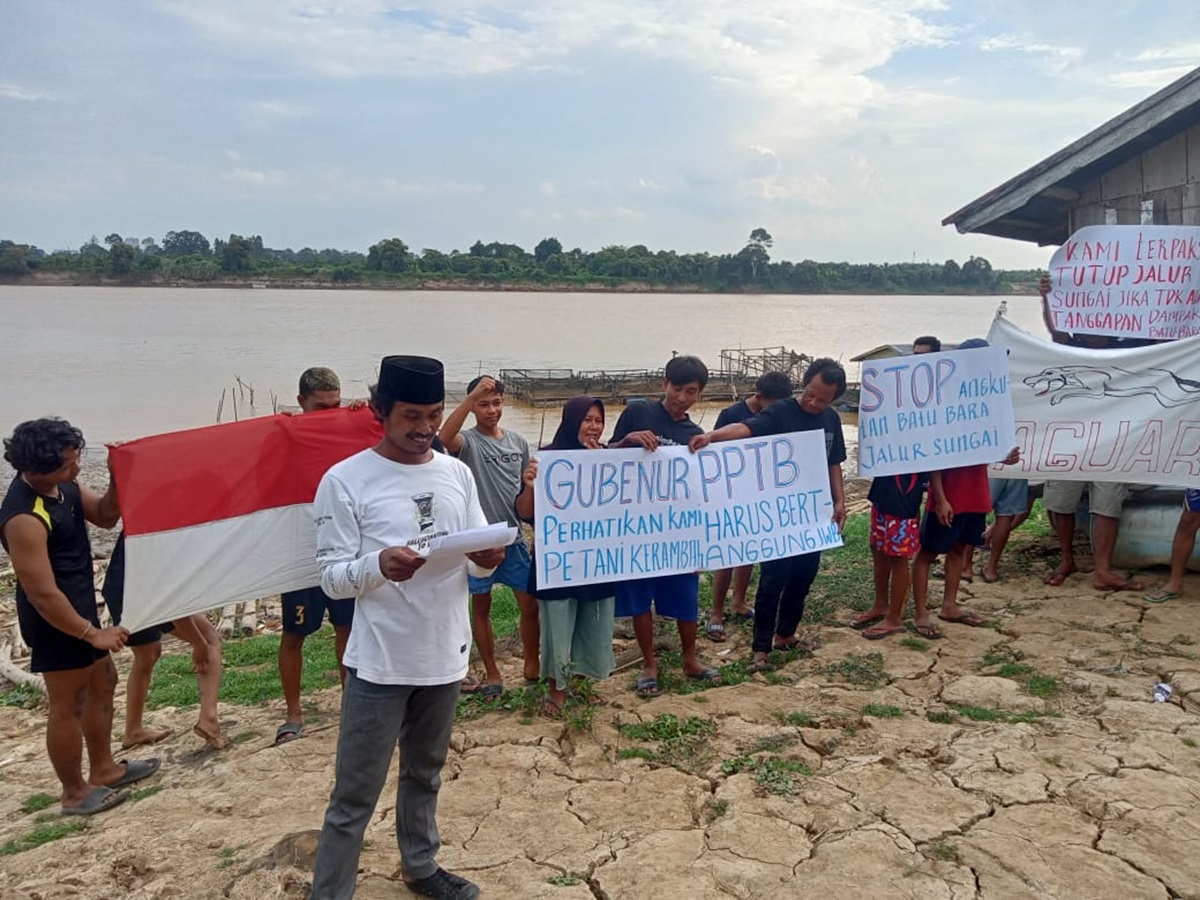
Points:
(43, 527)
(651, 425)
(770, 387)
(783, 584)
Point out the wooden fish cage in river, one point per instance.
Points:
(735, 378)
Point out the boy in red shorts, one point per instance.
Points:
(895, 540)
(961, 500)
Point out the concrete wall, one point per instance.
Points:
(1161, 187)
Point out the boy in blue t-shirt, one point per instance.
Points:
(651, 425)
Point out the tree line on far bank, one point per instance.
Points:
(188, 257)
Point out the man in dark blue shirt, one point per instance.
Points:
(651, 425)
(783, 583)
(770, 387)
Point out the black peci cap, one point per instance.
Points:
(412, 379)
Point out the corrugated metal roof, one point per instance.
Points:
(1034, 205)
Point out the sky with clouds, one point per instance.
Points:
(847, 128)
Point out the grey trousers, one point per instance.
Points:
(375, 717)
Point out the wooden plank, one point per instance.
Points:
(1165, 165)
(1168, 206)
(1091, 214)
(1193, 154)
(1190, 213)
(1121, 183)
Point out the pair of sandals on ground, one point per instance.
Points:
(1058, 577)
(103, 797)
(867, 621)
(647, 686)
(488, 690)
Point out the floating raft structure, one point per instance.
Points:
(735, 378)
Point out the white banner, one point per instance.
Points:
(1127, 281)
(616, 515)
(934, 411)
(1104, 415)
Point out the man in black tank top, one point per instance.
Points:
(43, 526)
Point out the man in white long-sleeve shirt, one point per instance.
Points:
(408, 650)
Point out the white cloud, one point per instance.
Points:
(256, 178)
(1187, 52)
(9, 91)
(1146, 79)
(1056, 56)
(615, 213)
(280, 109)
(429, 187)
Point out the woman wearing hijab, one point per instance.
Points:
(577, 622)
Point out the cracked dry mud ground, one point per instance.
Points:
(787, 788)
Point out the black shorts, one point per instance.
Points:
(113, 592)
(51, 649)
(304, 611)
(964, 528)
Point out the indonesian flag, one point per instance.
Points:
(223, 514)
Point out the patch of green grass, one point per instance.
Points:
(941, 717)
(43, 833)
(1038, 523)
(982, 713)
(714, 809)
(734, 764)
(579, 716)
(865, 670)
(779, 776)
(251, 671)
(998, 656)
(943, 852)
(771, 743)
(797, 719)
(637, 753)
(912, 643)
(143, 793)
(505, 615)
(668, 727)
(1188, 742)
(1054, 760)
(880, 711)
(522, 700)
(682, 743)
(846, 577)
(242, 736)
(227, 856)
(987, 714)
(37, 802)
(567, 879)
(1014, 670)
(21, 696)
(1042, 686)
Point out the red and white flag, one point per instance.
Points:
(223, 514)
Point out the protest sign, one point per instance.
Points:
(616, 515)
(1138, 281)
(1130, 415)
(934, 411)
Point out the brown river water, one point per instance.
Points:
(124, 363)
